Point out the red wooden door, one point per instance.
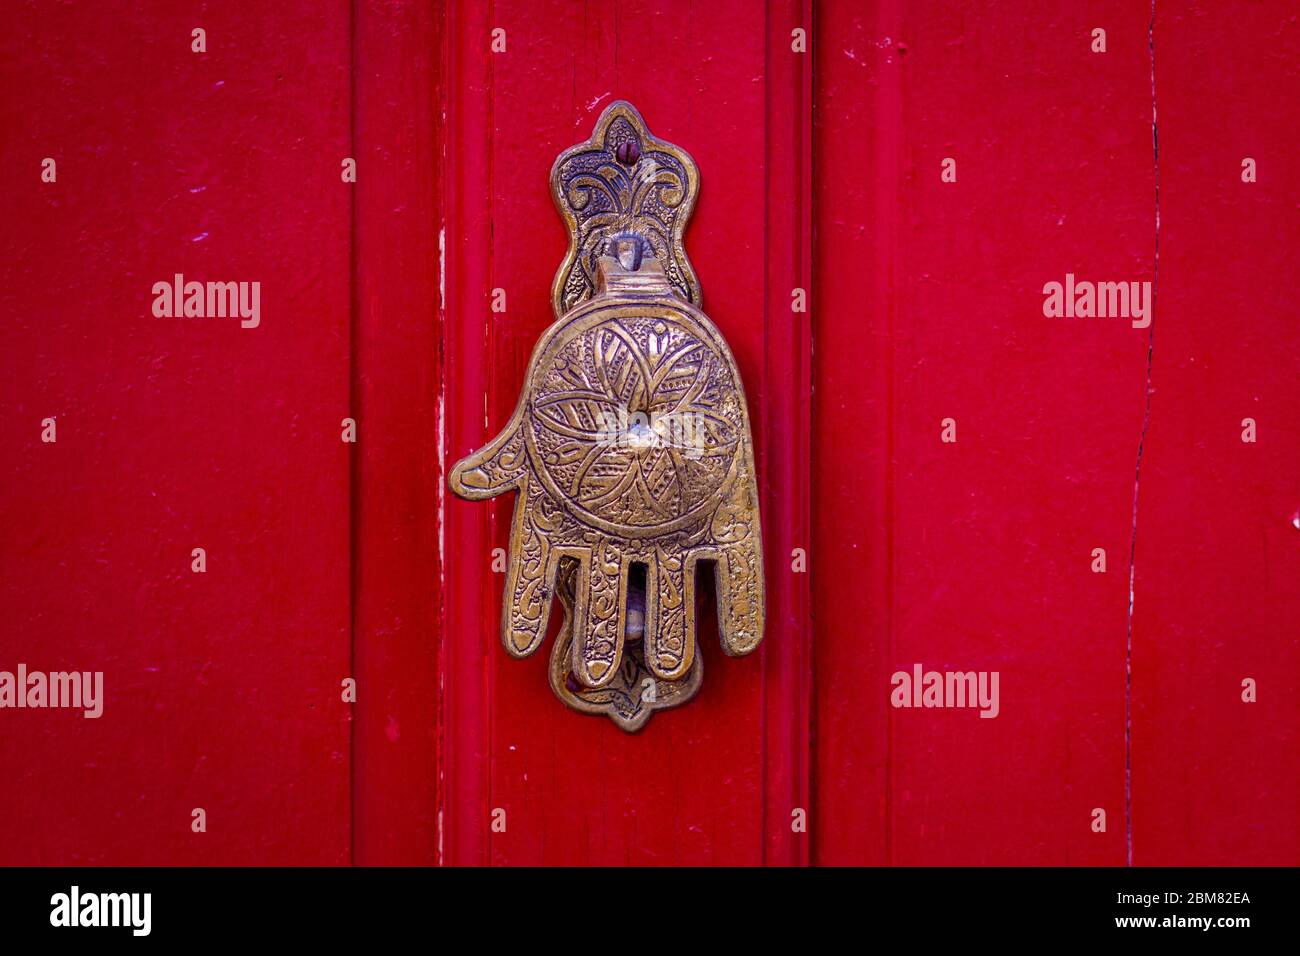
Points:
(887, 546)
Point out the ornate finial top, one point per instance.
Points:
(623, 181)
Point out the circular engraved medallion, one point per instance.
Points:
(634, 421)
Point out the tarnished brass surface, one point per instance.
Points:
(630, 447)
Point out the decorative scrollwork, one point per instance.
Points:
(623, 180)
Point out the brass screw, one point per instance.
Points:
(628, 152)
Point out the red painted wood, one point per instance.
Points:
(1217, 780)
(856, 141)
(397, 400)
(974, 555)
(785, 450)
(222, 689)
(463, 317)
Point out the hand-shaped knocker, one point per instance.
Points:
(630, 447)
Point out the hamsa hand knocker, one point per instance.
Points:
(630, 448)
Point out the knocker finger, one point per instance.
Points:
(669, 615)
(599, 613)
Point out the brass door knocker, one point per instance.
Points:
(630, 447)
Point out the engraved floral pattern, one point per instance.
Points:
(632, 424)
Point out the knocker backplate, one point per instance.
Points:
(623, 179)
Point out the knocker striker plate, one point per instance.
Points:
(630, 448)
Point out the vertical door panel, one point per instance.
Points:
(716, 780)
(221, 689)
(397, 399)
(974, 555)
(1216, 780)
(1071, 435)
